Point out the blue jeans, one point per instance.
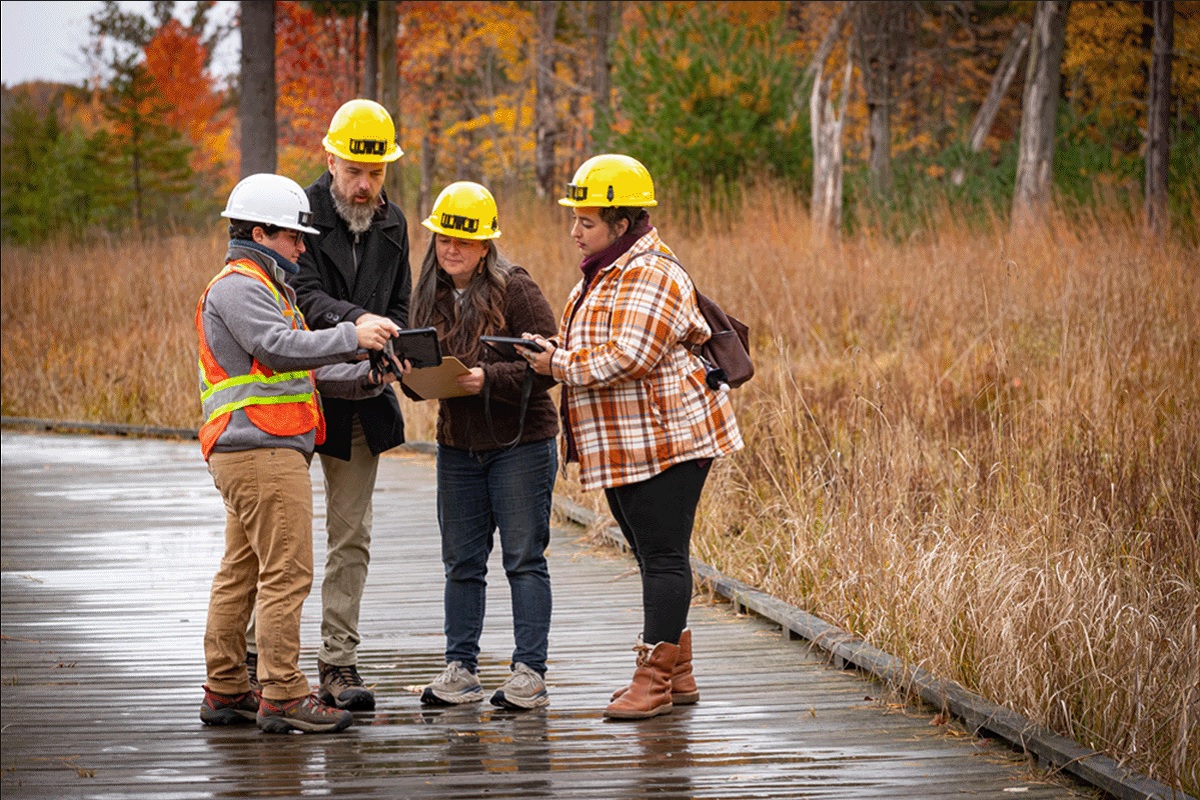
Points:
(478, 493)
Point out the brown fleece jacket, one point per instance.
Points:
(461, 420)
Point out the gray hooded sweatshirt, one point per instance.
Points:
(242, 322)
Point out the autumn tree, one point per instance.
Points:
(315, 73)
(706, 99)
(1039, 108)
(882, 36)
(1158, 145)
(546, 123)
(162, 112)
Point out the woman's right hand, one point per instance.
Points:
(539, 361)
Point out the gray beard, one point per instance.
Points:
(357, 217)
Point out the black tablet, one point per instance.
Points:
(419, 346)
(507, 346)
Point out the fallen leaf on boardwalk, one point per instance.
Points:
(939, 719)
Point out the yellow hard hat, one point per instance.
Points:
(464, 210)
(610, 180)
(362, 130)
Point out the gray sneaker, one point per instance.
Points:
(524, 689)
(454, 686)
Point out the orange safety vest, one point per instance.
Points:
(281, 404)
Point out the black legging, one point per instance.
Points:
(656, 515)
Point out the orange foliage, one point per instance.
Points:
(175, 61)
(316, 69)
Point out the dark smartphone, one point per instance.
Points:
(507, 346)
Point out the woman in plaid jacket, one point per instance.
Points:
(638, 416)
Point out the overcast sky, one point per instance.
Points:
(43, 40)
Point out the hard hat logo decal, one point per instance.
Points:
(368, 147)
(456, 222)
(576, 192)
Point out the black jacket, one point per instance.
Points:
(330, 291)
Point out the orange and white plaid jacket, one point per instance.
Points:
(635, 395)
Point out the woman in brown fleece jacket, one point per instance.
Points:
(496, 460)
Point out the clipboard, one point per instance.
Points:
(437, 383)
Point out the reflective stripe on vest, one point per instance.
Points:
(231, 394)
(280, 404)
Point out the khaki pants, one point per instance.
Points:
(267, 568)
(348, 489)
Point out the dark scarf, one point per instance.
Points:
(592, 264)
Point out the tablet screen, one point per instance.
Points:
(510, 347)
(419, 346)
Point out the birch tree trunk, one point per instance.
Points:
(826, 125)
(1043, 78)
(1158, 143)
(1001, 80)
(546, 126)
(256, 103)
(389, 88)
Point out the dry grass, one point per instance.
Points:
(980, 452)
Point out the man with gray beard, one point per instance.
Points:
(355, 266)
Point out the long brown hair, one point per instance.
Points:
(480, 309)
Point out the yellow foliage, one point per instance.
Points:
(1104, 61)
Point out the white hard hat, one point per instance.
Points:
(272, 200)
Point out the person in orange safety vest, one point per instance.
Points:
(260, 370)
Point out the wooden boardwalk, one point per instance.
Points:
(109, 546)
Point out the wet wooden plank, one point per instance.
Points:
(108, 549)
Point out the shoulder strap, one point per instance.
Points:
(526, 390)
(660, 254)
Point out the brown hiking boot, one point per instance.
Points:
(683, 684)
(341, 686)
(649, 692)
(306, 714)
(228, 709)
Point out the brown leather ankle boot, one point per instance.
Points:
(683, 684)
(649, 692)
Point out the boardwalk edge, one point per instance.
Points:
(980, 716)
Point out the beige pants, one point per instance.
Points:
(348, 489)
(267, 568)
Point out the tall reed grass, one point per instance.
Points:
(979, 451)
